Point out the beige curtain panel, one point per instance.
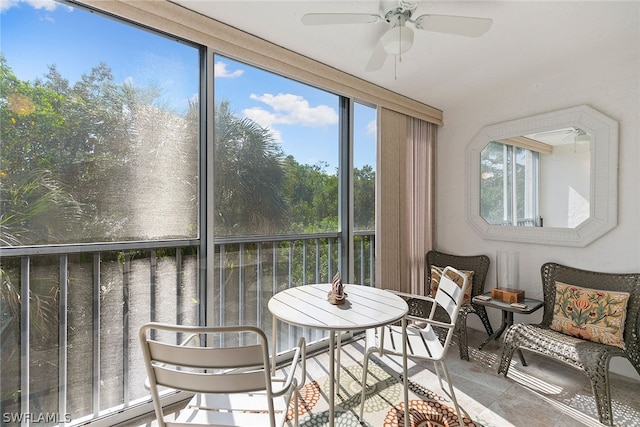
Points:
(405, 200)
(420, 212)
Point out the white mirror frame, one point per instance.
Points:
(603, 187)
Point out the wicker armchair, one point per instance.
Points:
(590, 357)
(479, 264)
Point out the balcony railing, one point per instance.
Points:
(70, 351)
(521, 222)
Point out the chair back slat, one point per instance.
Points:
(206, 357)
(209, 382)
(449, 295)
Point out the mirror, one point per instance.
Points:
(520, 176)
(546, 179)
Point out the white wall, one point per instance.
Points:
(564, 186)
(611, 87)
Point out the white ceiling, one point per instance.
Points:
(529, 41)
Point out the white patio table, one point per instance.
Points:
(307, 306)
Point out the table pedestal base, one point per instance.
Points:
(507, 320)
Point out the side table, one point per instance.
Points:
(507, 315)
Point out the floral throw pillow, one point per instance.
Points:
(590, 314)
(436, 274)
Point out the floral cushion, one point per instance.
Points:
(436, 274)
(590, 314)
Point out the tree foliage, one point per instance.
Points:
(77, 160)
(248, 177)
(312, 195)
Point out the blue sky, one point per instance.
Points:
(38, 33)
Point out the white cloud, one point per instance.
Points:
(36, 4)
(220, 70)
(42, 4)
(372, 128)
(291, 109)
(260, 116)
(7, 4)
(264, 119)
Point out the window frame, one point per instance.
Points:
(519, 193)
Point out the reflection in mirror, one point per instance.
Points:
(565, 178)
(536, 180)
(547, 179)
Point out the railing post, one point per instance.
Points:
(125, 328)
(62, 334)
(96, 337)
(25, 344)
(259, 319)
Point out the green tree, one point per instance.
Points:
(364, 183)
(312, 194)
(81, 141)
(248, 177)
(34, 205)
(492, 167)
(60, 143)
(36, 209)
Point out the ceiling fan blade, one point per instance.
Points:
(340, 18)
(460, 25)
(556, 136)
(379, 55)
(556, 132)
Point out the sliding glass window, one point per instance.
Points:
(276, 191)
(282, 174)
(99, 207)
(276, 154)
(99, 129)
(364, 192)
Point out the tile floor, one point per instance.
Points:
(544, 393)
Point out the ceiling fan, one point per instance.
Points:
(399, 38)
(562, 136)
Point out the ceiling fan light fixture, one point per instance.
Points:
(581, 138)
(397, 40)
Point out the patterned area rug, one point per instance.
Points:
(383, 407)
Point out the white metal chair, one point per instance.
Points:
(419, 339)
(232, 383)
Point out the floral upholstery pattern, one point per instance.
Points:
(436, 274)
(590, 314)
(590, 357)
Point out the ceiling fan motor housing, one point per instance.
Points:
(399, 38)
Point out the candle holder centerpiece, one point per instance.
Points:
(336, 295)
